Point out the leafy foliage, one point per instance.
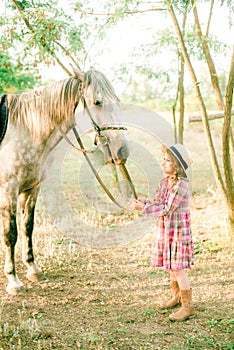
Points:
(52, 32)
(14, 77)
(58, 33)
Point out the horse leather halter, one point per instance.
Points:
(103, 139)
(97, 128)
(103, 142)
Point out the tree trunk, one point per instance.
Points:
(179, 130)
(174, 119)
(214, 162)
(206, 51)
(181, 91)
(181, 88)
(211, 116)
(227, 190)
(227, 150)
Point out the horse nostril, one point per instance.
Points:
(123, 153)
(97, 103)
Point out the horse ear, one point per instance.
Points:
(78, 73)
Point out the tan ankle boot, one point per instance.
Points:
(186, 309)
(175, 300)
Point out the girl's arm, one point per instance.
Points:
(171, 203)
(140, 203)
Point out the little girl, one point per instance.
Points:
(173, 248)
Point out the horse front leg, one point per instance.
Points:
(10, 238)
(27, 209)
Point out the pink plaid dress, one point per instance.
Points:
(173, 247)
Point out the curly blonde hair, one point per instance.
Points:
(178, 169)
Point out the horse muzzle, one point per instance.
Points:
(119, 157)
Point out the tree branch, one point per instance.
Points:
(109, 14)
(211, 116)
(67, 53)
(31, 29)
(209, 19)
(209, 60)
(214, 161)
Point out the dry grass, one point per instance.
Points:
(107, 299)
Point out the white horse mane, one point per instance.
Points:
(41, 110)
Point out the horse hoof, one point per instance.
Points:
(36, 277)
(15, 290)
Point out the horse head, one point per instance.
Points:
(102, 106)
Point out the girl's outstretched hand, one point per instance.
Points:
(137, 204)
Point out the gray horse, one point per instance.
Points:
(34, 125)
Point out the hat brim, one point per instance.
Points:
(185, 166)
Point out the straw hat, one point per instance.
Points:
(182, 155)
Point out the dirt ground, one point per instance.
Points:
(107, 299)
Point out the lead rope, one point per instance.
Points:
(84, 151)
(94, 170)
(77, 148)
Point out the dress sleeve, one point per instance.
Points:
(171, 202)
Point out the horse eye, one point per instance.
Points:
(97, 103)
